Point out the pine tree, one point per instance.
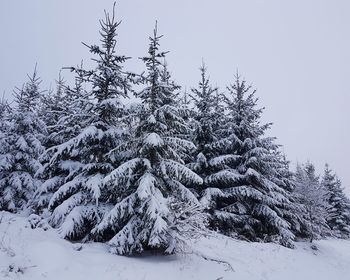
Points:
(338, 214)
(21, 146)
(5, 159)
(309, 192)
(84, 160)
(285, 178)
(204, 135)
(204, 100)
(5, 108)
(53, 107)
(5, 111)
(152, 205)
(185, 108)
(60, 167)
(245, 193)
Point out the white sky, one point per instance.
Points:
(296, 53)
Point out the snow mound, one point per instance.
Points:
(39, 253)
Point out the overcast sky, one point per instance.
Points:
(296, 53)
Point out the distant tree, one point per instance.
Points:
(284, 177)
(5, 108)
(5, 111)
(153, 209)
(21, 146)
(309, 192)
(338, 208)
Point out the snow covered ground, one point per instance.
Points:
(27, 253)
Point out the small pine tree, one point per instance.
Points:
(152, 205)
(5, 111)
(284, 178)
(309, 192)
(59, 166)
(338, 214)
(53, 107)
(5, 108)
(21, 146)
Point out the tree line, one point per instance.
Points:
(153, 174)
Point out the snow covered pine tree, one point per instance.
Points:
(244, 192)
(312, 196)
(84, 158)
(5, 111)
(21, 146)
(204, 116)
(5, 108)
(70, 108)
(338, 208)
(153, 207)
(53, 106)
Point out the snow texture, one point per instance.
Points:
(23, 256)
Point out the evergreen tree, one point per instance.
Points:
(204, 100)
(5, 160)
(285, 178)
(70, 123)
(21, 145)
(5, 111)
(152, 205)
(53, 106)
(309, 192)
(204, 136)
(5, 108)
(245, 191)
(185, 107)
(338, 214)
(84, 158)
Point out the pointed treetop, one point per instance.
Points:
(153, 60)
(204, 95)
(27, 97)
(4, 106)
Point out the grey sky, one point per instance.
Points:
(296, 53)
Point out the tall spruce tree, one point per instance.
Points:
(338, 208)
(204, 136)
(152, 205)
(244, 193)
(204, 100)
(21, 146)
(84, 158)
